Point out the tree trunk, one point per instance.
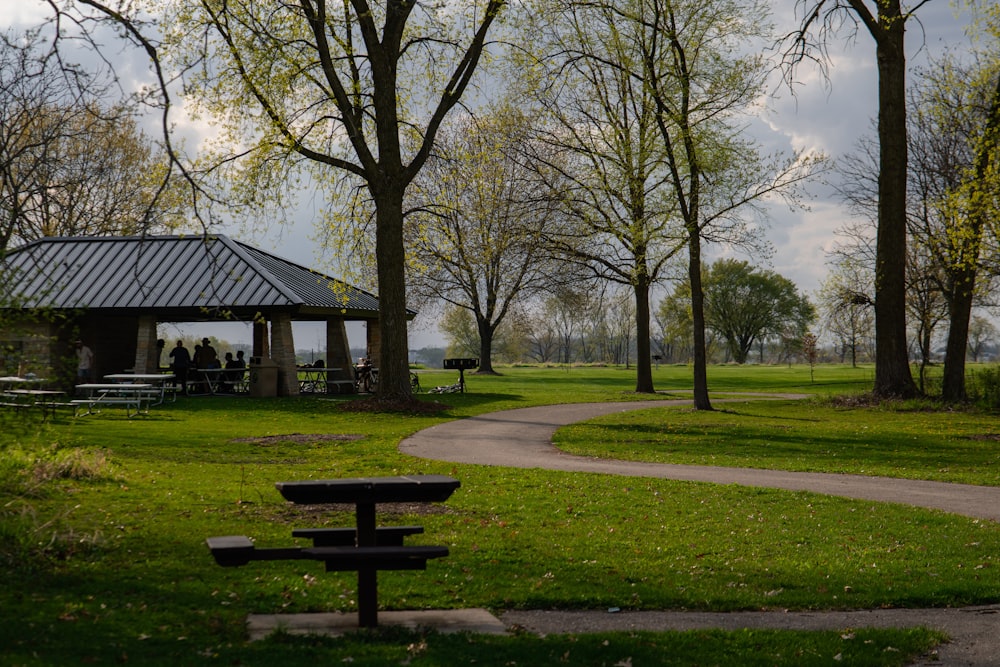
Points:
(394, 370)
(644, 362)
(701, 401)
(959, 314)
(960, 304)
(485, 346)
(892, 368)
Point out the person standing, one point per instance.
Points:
(209, 357)
(84, 362)
(180, 361)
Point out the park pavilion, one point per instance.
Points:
(112, 292)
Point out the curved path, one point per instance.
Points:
(523, 439)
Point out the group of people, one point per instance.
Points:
(205, 357)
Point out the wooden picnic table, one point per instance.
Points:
(367, 548)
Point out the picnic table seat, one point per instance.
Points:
(340, 537)
(237, 550)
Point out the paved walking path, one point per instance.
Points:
(523, 439)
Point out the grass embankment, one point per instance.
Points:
(102, 522)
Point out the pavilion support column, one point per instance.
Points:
(261, 341)
(374, 342)
(283, 354)
(338, 349)
(146, 353)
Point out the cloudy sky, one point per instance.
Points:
(831, 116)
(824, 115)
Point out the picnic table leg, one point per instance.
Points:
(367, 597)
(367, 576)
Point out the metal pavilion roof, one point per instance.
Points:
(176, 277)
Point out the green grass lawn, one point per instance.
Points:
(815, 437)
(103, 521)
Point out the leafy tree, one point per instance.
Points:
(684, 66)
(459, 328)
(699, 63)
(482, 214)
(956, 174)
(744, 305)
(623, 228)
(351, 92)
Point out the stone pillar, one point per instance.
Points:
(283, 354)
(145, 346)
(261, 342)
(374, 342)
(338, 349)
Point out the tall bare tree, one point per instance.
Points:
(69, 164)
(885, 21)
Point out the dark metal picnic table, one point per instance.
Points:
(367, 548)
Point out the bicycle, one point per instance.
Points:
(365, 379)
(447, 389)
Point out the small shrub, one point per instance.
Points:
(75, 464)
(27, 472)
(984, 388)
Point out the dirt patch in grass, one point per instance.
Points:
(985, 436)
(301, 438)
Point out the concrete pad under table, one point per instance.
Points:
(335, 624)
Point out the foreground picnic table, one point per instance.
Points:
(366, 548)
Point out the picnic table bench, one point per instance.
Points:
(365, 548)
(159, 387)
(135, 398)
(47, 400)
